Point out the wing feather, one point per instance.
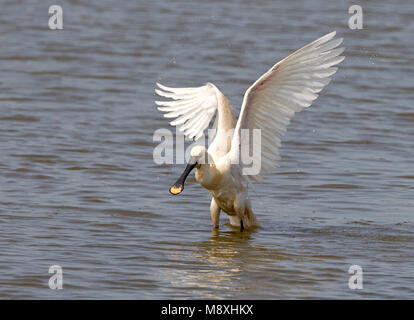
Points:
(289, 86)
(192, 108)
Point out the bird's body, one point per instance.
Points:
(288, 87)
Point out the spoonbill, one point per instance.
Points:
(289, 86)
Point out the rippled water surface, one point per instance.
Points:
(79, 187)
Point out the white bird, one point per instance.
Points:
(289, 86)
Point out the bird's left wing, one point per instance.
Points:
(289, 86)
(192, 108)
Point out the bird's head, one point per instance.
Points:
(199, 156)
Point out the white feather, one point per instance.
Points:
(192, 108)
(289, 86)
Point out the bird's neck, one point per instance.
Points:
(225, 115)
(208, 176)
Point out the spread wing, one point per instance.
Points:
(289, 86)
(191, 108)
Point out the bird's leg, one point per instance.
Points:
(250, 216)
(215, 213)
(239, 207)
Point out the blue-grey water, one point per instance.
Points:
(79, 187)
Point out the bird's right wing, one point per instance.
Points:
(192, 108)
(289, 86)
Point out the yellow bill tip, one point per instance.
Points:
(176, 190)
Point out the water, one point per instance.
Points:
(80, 190)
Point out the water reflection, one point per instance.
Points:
(229, 264)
